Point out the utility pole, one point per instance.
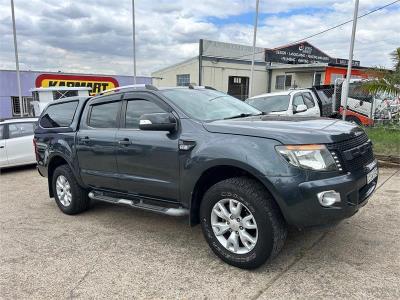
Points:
(254, 50)
(16, 59)
(134, 41)
(348, 75)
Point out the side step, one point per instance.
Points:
(174, 212)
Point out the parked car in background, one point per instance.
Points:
(16, 142)
(287, 103)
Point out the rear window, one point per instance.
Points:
(104, 115)
(16, 130)
(59, 115)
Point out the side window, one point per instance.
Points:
(136, 108)
(297, 100)
(308, 100)
(59, 115)
(104, 115)
(356, 92)
(16, 130)
(1, 132)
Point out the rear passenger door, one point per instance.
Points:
(147, 160)
(95, 142)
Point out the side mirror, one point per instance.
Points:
(157, 122)
(300, 108)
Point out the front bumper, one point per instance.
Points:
(299, 202)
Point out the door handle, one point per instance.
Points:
(85, 139)
(124, 141)
(1, 147)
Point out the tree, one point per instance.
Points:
(385, 81)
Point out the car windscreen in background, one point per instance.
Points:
(59, 115)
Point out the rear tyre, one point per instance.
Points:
(70, 197)
(353, 120)
(241, 222)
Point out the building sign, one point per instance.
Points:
(344, 62)
(301, 53)
(96, 83)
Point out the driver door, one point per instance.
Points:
(296, 101)
(147, 161)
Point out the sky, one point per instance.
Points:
(95, 36)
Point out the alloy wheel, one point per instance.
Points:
(234, 226)
(63, 190)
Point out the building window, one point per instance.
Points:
(283, 82)
(64, 94)
(183, 80)
(27, 106)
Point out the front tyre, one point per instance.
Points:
(242, 223)
(70, 197)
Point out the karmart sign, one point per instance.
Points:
(96, 83)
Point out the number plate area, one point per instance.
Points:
(372, 175)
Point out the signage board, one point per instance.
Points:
(301, 53)
(345, 62)
(96, 83)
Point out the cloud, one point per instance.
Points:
(96, 35)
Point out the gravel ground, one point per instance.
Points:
(117, 252)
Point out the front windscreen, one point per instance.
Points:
(270, 103)
(208, 105)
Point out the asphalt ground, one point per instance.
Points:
(117, 252)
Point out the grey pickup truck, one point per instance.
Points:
(200, 153)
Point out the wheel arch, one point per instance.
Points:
(217, 173)
(53, 163)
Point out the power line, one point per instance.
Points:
(330, 28)
(344, 23)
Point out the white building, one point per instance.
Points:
(226, 67)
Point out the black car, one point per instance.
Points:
(197, 152)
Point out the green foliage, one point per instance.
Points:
(386, 81)
(386, 140)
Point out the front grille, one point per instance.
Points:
(356, 161)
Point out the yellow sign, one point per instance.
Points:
(96, 83)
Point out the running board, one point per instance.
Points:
(174, 212)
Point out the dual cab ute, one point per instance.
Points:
(197, 152)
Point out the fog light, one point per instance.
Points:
(328, 198)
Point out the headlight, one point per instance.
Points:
(314, 157)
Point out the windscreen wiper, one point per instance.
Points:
(241, 116)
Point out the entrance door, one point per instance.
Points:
(238, 87)
(96, 143)
(147, 161)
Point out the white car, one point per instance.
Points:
(287, 103)
(16, 142)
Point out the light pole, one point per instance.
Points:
(16, 59)
(254, 50)
(350, 63)
(134, 41)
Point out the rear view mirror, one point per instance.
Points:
(157, 122)
(300, 108)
